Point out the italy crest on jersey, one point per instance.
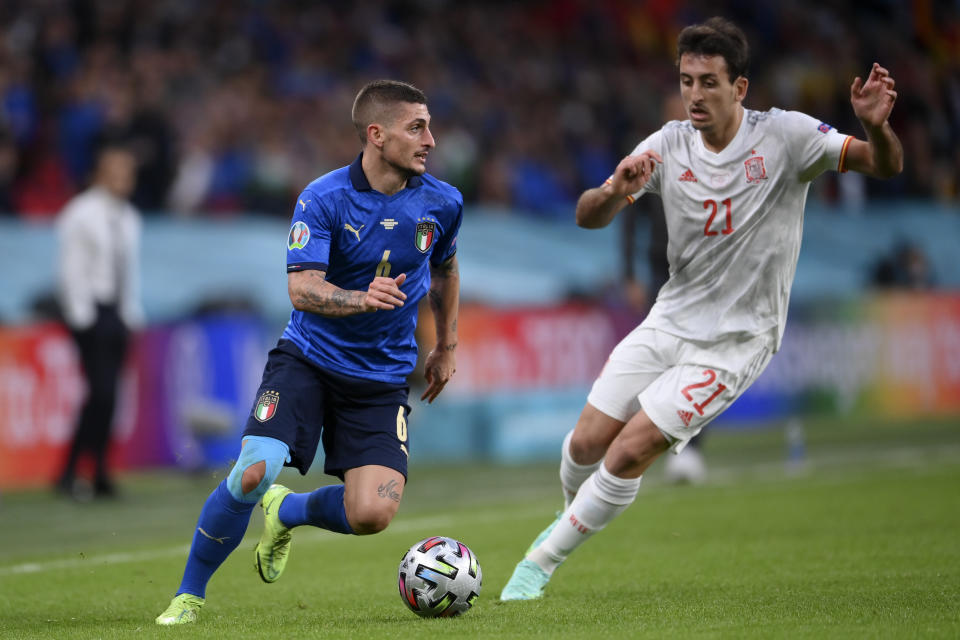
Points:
(266, 405)
(426, 232)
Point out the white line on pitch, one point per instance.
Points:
(310, 535)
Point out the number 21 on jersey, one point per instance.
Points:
(711, 206)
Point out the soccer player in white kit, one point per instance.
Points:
(733, 183)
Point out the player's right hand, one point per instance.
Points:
(384, 293)
(633, 172)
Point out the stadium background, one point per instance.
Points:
(232, 107)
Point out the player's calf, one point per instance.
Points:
(636, 447)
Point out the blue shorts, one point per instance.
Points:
(359, 421)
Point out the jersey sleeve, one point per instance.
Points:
(652, 142)
(814, 146)
(446, 247)
(308, 243)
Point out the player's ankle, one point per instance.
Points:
(545, 560)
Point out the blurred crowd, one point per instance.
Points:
(233, 106)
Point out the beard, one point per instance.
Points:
(407, 169)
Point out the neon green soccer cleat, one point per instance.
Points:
(183, 609)
(543, 534)
(526, 583)
(274, 547)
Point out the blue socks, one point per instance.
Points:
(223, 521)
(321, 508)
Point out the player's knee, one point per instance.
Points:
(637, 448)
(253, 476)
(260, 462)
(586, 448)
(370, 518)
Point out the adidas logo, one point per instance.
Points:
(688, 176)
(685, 415)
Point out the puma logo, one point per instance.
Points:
(304, 204)
(356, 232)
(222, 540)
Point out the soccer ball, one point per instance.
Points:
(439, 577)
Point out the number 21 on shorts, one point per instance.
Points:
(711, 376)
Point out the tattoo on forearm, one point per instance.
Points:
(318, 296)
(335, 303)
(388, 491)
(340, 299)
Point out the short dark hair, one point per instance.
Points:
(371, 103)
(717, 37)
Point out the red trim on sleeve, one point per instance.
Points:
(841, 165)
(306, 266)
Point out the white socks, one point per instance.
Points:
(601, 498)
(572, 475)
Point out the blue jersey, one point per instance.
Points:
(353, 233)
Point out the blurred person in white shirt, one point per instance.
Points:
(99, 242)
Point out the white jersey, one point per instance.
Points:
(734, 222)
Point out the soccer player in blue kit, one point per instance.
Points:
(368, 241)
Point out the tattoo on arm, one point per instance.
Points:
(444, 298)
(340, 299)
(388, 490)
(314, 294)
(445, 268)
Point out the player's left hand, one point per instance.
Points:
(438, 368)
(873, 100)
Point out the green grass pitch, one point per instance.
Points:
(863, 541)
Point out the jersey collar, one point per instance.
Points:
(733, 147)
(359, 179)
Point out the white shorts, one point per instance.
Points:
(681, 385)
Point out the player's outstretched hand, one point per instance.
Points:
(873, 100)
(384, 293)
(438, 368)
(634, 172)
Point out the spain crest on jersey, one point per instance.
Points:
(266, 406)
(755, 169)
(426, 232)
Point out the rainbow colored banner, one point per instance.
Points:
(183, 399)
(895, 354)
(522, 376)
